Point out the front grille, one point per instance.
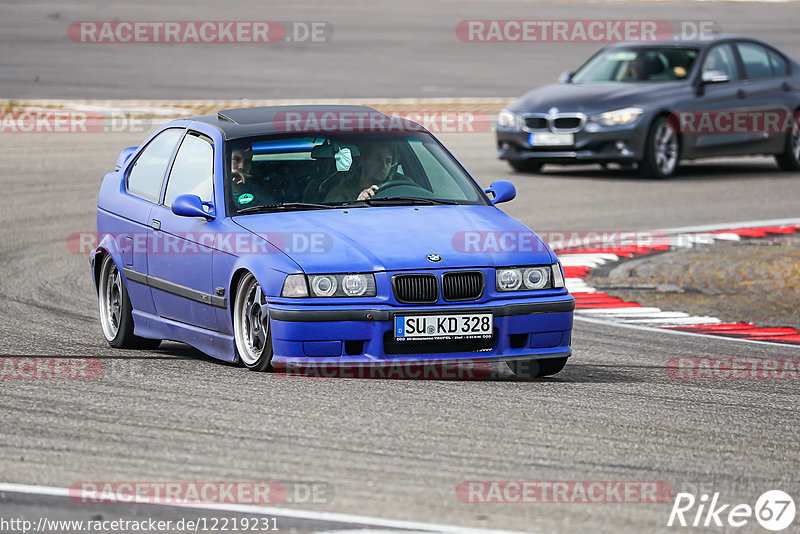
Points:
(415, 288)
(566, 123)
(462, 285)
(536, 123)
(398, 348)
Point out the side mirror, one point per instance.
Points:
(715, 76)
(565, 76)
(191, 206)
(501, 191)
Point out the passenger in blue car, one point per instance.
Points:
(377, 160)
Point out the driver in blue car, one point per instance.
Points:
(377, 160)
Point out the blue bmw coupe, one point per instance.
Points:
(321, 235)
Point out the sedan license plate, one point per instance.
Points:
(551, 139)
(443, 327)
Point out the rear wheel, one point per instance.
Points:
(116, 311)
(789, 159)
(526, 165)
(528, 369)
(662, 150)
(251, 325)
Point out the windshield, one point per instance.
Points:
(638, 64)
(305, 172)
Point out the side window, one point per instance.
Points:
(193, 170)
(147, 174)
(755, 59)
(721, 58)
(779, 66)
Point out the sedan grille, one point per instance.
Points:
(566, 123)
(416, 288)
(536, 123)
(462, 285)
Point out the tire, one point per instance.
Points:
(116, 316)
(662, 152)
(530, 369)
(789, 159)
(526, 165)
(251, 325)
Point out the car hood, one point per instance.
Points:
(392, 238)
(592, 98)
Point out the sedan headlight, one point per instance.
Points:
(330, 285)
(507, 119)
(529, 278)
(619, 117)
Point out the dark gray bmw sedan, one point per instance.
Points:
(651, 105)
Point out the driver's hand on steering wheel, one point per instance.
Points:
(367, 193)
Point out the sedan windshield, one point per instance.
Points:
(638, 64)
(305, 172)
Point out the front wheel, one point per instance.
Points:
(662, 150)
(789, 159)
(116, 316)
(251, 325)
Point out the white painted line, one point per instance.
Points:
(663, 316)
(729, 226)
(270, 511)
(690, 320)
(681, 333)
(620, 312)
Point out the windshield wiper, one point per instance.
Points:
(286, 206)
(401, 201)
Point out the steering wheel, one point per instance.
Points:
(401, 187)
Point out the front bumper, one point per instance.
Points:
(624, 144)
(524, 329)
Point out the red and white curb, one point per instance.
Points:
(596, 306)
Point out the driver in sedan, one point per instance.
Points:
(377, 160)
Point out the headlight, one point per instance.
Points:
(343, 285)
(619, 117)
(295, 286)
(558, 276)
(506, 119)
(529, 278)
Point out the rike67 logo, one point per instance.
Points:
(774, 510)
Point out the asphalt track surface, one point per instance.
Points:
(389, 448)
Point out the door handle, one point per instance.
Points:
(741, 94)
(155, 224)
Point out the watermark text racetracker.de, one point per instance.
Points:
(386, 121)
(66, 121)
(101, 524)
(199, 32)
(577, 31)
(181, 493)
(564, 492)
(238, 243)
(734, 368)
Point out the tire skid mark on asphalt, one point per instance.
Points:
(598, 306)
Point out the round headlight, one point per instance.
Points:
(535, 277)
(508, 280)
(354, 285)
(506, 119)
(324, 286)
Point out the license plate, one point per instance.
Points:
(551, 139)
(443, 327)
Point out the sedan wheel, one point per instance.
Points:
(662, 152)
(789, 160)
(251, 325)
(116, 311)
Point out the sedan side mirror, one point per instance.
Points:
(565, 76)
(501, 191)
(192, 206)
(715, 76)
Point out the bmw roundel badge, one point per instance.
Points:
(435, 258)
